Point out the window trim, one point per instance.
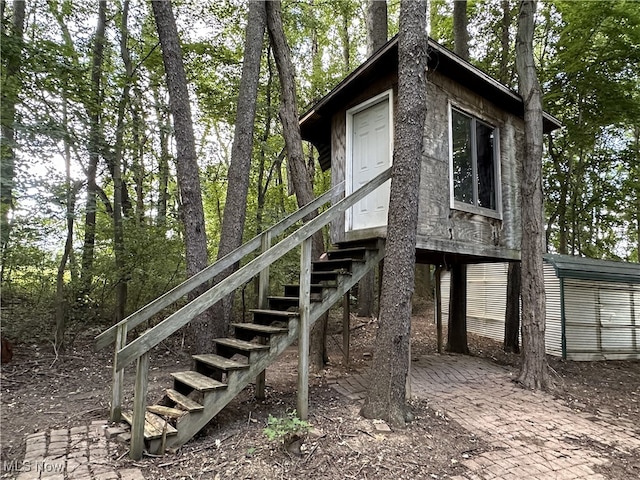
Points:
(466, 207)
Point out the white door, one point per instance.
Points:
(370, 156)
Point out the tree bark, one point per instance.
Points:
(235, 207)
(377, 29)
(95, 147)
(457, 329)
(534, 373)
(460, 32)
(512, 312)
(10, 91)
(296, 161)
(386, 398)
(505, 42)
(377, 34)
(118, 226)
(199, 332)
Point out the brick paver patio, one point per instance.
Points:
(78, 453)
(533, 436)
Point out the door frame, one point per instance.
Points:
(348, 187)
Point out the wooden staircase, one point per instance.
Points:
(197, 395)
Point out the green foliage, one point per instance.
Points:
(282, 428)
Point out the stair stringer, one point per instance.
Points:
(214, 402)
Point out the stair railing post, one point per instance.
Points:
(263, 288)
(263, 292)
(139, 407)
(118, 376)
(303, 341)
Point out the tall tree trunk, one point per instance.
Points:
(460, 32)
(118, 227)
(457, 329)
(295, 155)
(377, 28)
(12, 53)
(200, 331)
(163, 159)
(71, 191)
(505, 42)
(386, 398)
(534, 373)
(235, 207)
(377, 33)
(512, 312)
(95, 148)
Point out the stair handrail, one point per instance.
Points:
(109, 336)
(174, 322)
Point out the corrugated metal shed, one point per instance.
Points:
(593, 306)
(567, 266)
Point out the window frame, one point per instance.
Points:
(467, 207)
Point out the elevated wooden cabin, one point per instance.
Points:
(469, 207)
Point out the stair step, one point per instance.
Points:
(294, 290)
(220, 363)
(240, 345)
(154, 426)
(272, 318)
(354, 253)
(197, 381)
(330, 276)
(283, 302)
(339, 264)
(168, 412)
(263, 329)
(183, 401)
(369, 243)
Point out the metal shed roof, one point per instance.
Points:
(567, 266)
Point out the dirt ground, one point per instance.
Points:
(42, 390)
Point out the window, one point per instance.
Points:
(474, 162)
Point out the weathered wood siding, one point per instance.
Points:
(339, 153)
(441, 228)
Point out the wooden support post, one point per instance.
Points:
(139, 407)
(346, 313)
(118, 376)
(438, 306)
(303, 341)
(263, 293)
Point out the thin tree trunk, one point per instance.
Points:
(377, 29)
(163, 160)
(296, 160)
(7, 144)
(460, 32)
(200, 333)
(512, 312)
(505, 42)
(235, 207)
(386, 398)
(9, 100)
(118, 227)
(457, 329)
(71, 191)
(534, 373)
(95, 148)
